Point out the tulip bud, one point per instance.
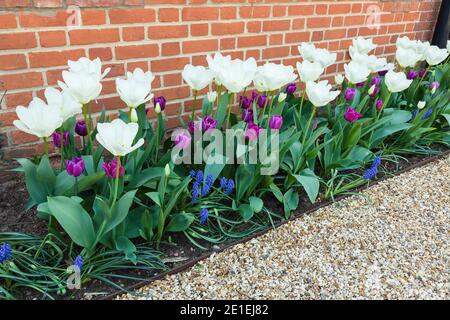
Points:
(372, 90)
(338, 79)
(281, 97)
(167, 170)
(157, 108)
(379, 104)
(134, 116)
(212, 95)
(434, 86)
(421, 104)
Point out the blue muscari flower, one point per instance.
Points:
(195, 191)
(192, 174)
(199, 176)
(229, 188)
(414, 113)
(207, 185)
(427, 113)
(371, 173)
(5, 252)
(78, 262)
(223, 182)
(203, 215)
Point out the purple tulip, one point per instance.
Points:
(351, 115)
(255, 95)
(423, 73)
(375, 91)
(350, 94)
(80, 128)
(75, 167)
(110, 168)
(376, 81)
(379, 104)
(194, 126)
(262, 101)
(56, 136)
(208, 123)
(252, 131)
(247, 115)
(183, 140)
(245, 102)
(162, 102)
(434, 86)
(382, 73)
(361, 84)
(291, 88)
(275, 122)
(412, 74)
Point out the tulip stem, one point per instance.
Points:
(265, 106)
(88, 126)
(75, 186)
(46, 146)
(308, 124)
(219, 98)
(129, 114)
(193, 107)
(301, 103)
(61, 140)
(230, 103)
(270, 109)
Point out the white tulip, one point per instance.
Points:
(167, 170)
(216, 64)
(38, 119)
(117, 137)
(396, 81)
(448, 46)
(134, 115)
(307, 51)
(282, 96)
(86, 66)
(309, 71)
(197, 77)
(135, 89)
(237, 74)
(320, 93)
(157, 108)
(211, 96)
(82, 86)
(435, 55)
(63, 102)
(422, 49)
(338, 79)
(405, 43)
(361, 46)
(324, 57)
(373, 63)
(407, 57)
(272, 76)
(356, 72)
(421, 104)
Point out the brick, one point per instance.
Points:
(120, 16)
(199, 29)
(168, 15)
(133, 33)
(279, 11)
(252, 41)
(53, 76)
(171, 80)
(276, 25)
(227, 43)
(321, 9)
(297, 37)
(37, 19)
(159, 32)
(47, 3)
(318, 22)
(169, 64)
(227, 28)
(254, 26)
(174, 93)
(340, 8)
(19, 137)
(93, 3)
(165, 1)
(15, 3)
(21, 80)
(277, 52)
(200, 46)
(8, 21)
(52, 38)
(105, 54)
(228, 13)
(93, 36)
(12, 62)
(93, 17)
(54, 58)
(7, 118)
(301, 10)
(201, 13)
(17, 99)
(136, 51)
(17, 40)
(170, 49)
(335, 33)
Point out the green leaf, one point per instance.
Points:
(310, 183)
(126, 246)
(35, 188)
(256, 204)
(381, 133)
(144, 176)
(246, 211)
(85, 182)
(73, 219)
(63, 182)
(180, 222)
(120, 210)
(290, 202)
(175, 195)
(276, 192)
(222, 110)
(155, 197)
(46, 175)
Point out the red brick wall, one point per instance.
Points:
(164, 35)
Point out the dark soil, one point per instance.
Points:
(179, 254)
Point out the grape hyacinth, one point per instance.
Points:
(223, 182)
(203, 215)
(5, 253)
(207, 185)
(195, 191)
(427, 114)
(192, 174)
(229, 187)
(371, 173)
(78, 262)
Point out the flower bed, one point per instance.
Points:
(122, 188)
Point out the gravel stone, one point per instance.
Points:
(392, 244)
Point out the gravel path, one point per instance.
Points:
(396, 246)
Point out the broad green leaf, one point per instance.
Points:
(120, 210)
(290, 202)
(155, 197)
(180, 222)
(126, 246)
(256, 204)
(310, 183)
(246, 211)
(73, 219)
(141, 178)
